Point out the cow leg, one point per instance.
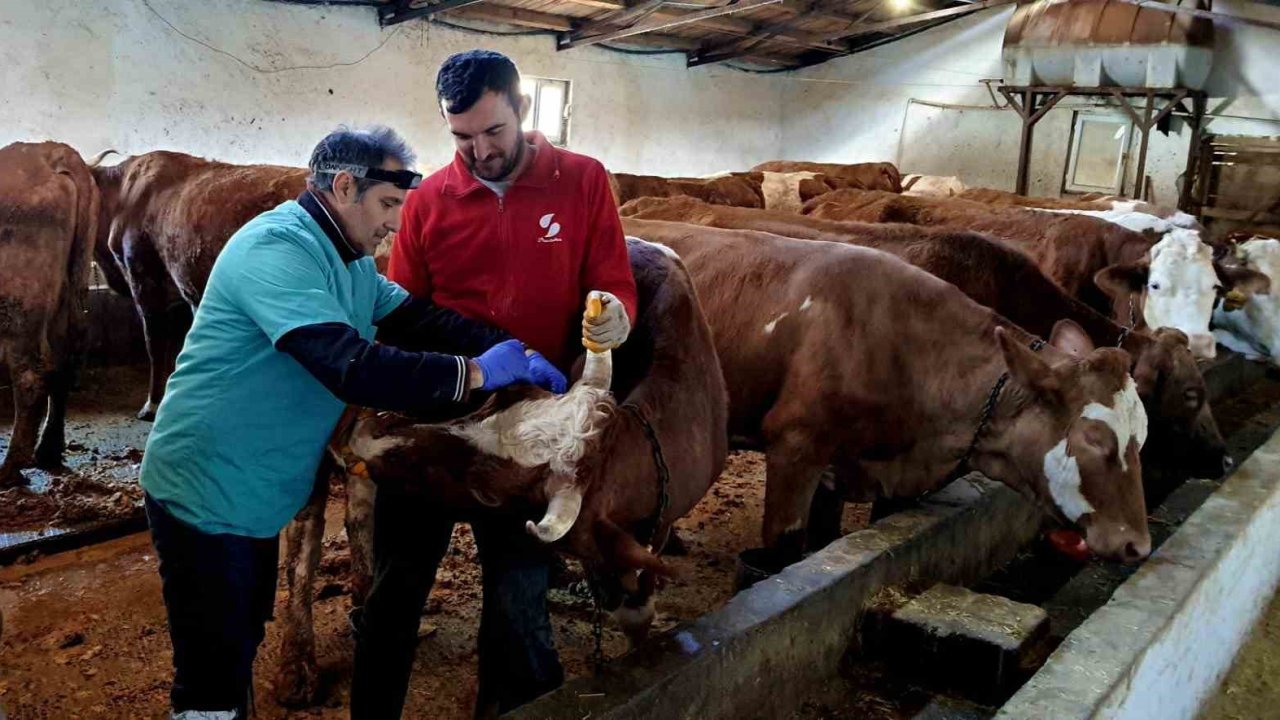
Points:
(29, 394)
(53, 439)
(359, 521)
(148, 283)
(793, 469)
(160, 348)
(826, 511)
(297, 679)
(636, 614)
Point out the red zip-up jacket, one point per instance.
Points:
(524, 262)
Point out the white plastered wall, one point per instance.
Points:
(918, 102)
(259, 81)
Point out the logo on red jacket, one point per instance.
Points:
(552, 228)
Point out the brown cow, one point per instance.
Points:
(991, 196)
(166, 217)
(1103, 204)
(863, 176)
(847, 356)
(586, 456)
(48, 218)
(789, 192)
(738, 189)
(1141, 283)
(1184, 434)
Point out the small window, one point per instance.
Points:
(549, 109)
(1099, 150)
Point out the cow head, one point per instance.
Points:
(1183, 431)
(1254, 328)
(1075, 438)
(521, 447)
(1176, 286)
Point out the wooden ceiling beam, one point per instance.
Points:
(746, 28)
(923, 17)
(515, 16)
(389, 14)
(602, 4)
(770, 32)
(593, 33)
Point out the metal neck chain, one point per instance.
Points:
(1133, 323)
(647, 531)
(586, 589)
(651, 524)
(597, 632)
(989, 410)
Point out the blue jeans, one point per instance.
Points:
(518, 661)
(218, 592)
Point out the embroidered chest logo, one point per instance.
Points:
(552, 228)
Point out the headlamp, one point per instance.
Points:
(403, 179)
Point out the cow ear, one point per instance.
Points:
(1071, 338)
(1242, 280)
(1027, 368)
(1121, 281)
(1146, 373)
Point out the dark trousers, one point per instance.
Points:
(518, 661)
(218, 592)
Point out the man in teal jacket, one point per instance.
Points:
(282, 341)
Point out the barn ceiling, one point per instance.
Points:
(763, 34)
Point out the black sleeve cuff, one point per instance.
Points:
(374, 375)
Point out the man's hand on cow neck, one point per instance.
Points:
(610, 328)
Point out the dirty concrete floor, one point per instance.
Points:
(1251, 690)
(85, 633)
(104, 448)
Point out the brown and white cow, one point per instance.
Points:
(932, 185)
(48, 218)
(1112, 269)
(582, 462)
(788, 192)
(739, 189)
(1253, 330)
(165, 218)
(863, 176)
(1184, 434)
(849, 357)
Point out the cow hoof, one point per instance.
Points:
(675, 546)
(147, 413)
(298, 685)
(49, 459)
(11, 476)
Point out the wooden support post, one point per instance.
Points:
(1191, 174)
(1030, 115)
(1138, 181)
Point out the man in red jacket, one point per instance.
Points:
(516, 233)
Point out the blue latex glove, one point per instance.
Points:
(545, 375)
(504, 364)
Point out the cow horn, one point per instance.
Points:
(562, 512)
(96, 159)
(598, 370)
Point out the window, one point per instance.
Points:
(549, 111)
(1099, 151)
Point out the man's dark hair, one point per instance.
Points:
(369, 148)
(464, 77)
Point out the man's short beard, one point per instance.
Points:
(513, 162)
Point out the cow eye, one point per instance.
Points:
(1154, 286)
(1194, 398)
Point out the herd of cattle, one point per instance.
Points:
(872, 333)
